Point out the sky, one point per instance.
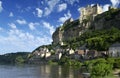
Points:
(27, 24)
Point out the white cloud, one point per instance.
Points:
(65, 17)
(1, 8)
(115, 3)
(39, 12)
(106, 7)
(11, 14)
(51, 4)
(72, 1)
(28, 8)
(12, 25)
(18, 40)
(48, 26)
(62, 7)
(1, 28)
(47, 11)
(79, 9)
(32, 25)
(21, 22)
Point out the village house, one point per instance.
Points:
(42, 52)
(91, 54)
(79, 54)
(114, 50)
(47, 54)
(58, 56)
(70, 51)
(102, 53)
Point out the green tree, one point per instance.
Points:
(19, 59)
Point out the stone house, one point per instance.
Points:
(42, 52)
(47, 54)
(42, 55)
(91, 54)
(102, 54)
(71, 51)
(79, 54)
(114, 50)
(58, 56)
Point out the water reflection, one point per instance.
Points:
(41, 71)
(50, 71)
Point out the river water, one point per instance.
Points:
(35, 71)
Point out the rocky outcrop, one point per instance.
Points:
(108, 19)
(67, 32)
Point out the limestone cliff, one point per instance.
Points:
(67, 32)
(107, 19)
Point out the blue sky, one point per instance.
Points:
(27, 24)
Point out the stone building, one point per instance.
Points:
(114, 50)
(42, 52)
(90, 12)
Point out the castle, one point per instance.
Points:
(74, 28)
(90, 12)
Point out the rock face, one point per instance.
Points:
(67, 32)
(108, 19)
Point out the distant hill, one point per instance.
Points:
(12, 58)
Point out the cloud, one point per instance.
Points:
(12, 25)
(1, 8)
(47, 11)
(72, 1)
(11, 14)
(1, 28)
(65, 17)
(28, 9)
(79, 9)
(106, 7)
(51, 4)
(32, 25)
(21, 22)
(19, 40)
(48, 26)
(62, 7)
(39, 12)
(115, 3)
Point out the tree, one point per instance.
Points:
(19, 59)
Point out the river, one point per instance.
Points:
(38, 71)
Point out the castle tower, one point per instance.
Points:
(90, 12)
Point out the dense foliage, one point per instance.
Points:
(96, 39)
(100, 68)
(13, 58)
(69, 62)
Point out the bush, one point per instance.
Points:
(117, 63)
(101, 68)
(19, 59)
